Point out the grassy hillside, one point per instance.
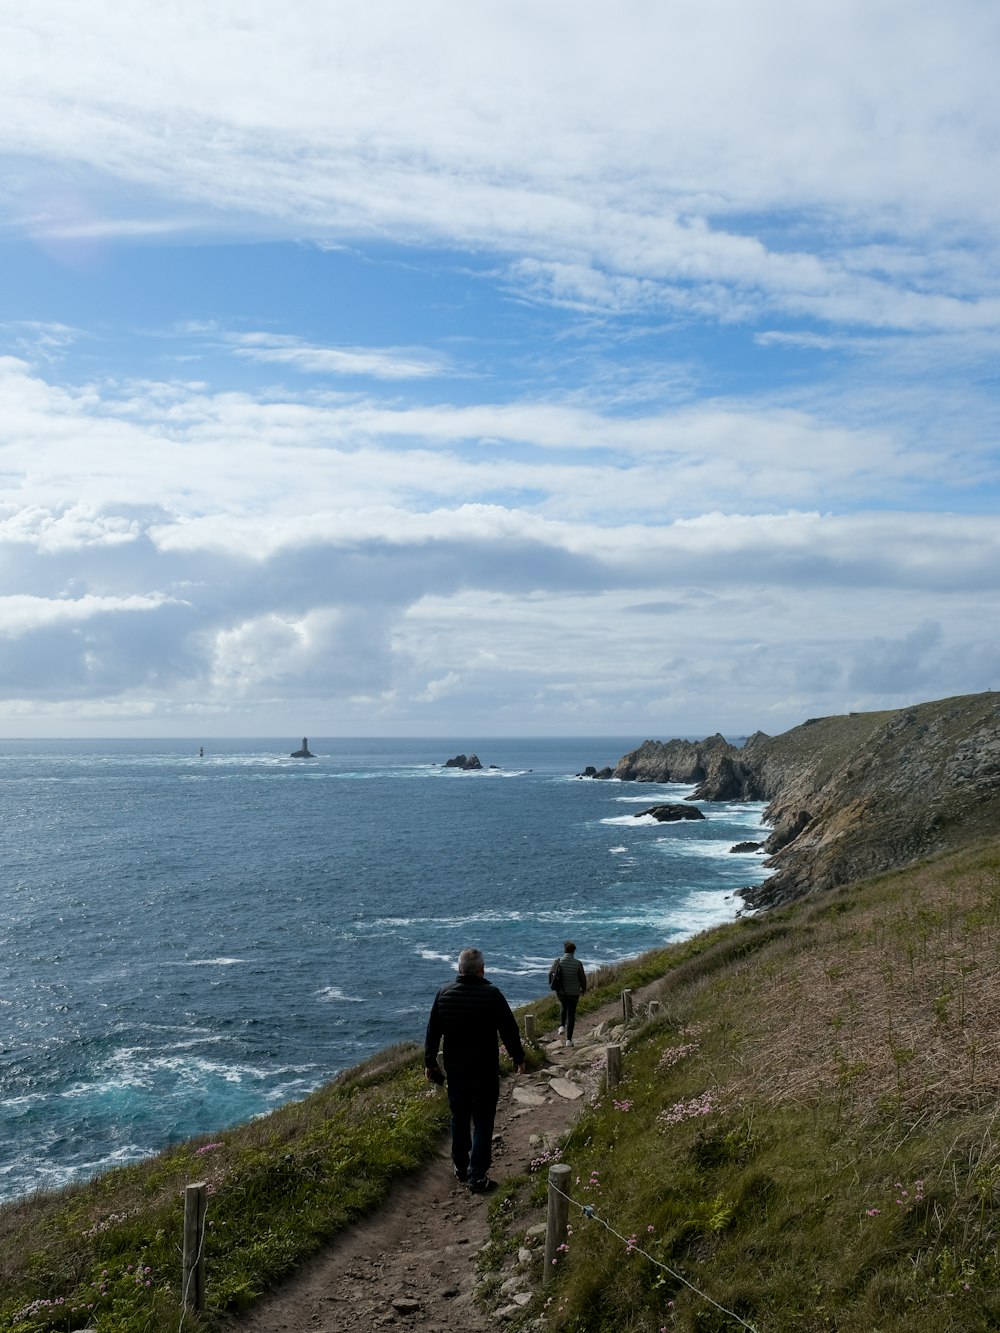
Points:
(809, 1134)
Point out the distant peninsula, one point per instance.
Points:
(848, 796)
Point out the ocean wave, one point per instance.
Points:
(335, 993)
(710, 847)
(653, 794)
(130, 1070)
(442, 770)
(211, 962)
(520, 971)
(22, 1104)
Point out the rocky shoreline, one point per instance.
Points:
(847, 796)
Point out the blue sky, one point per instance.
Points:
(495, 370)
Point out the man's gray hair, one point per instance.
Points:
(470, 961)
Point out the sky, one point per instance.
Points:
(550, 368)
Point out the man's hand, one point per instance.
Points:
(433, 1074)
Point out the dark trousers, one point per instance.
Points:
(567, 1015)
(473, 1100)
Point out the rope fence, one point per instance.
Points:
(557, 1238)
(559, 1200)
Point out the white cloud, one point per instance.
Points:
(186, 469)
(232, 551)
(645, 162)
(818, 179)
(21, 614)
(384, 363)
(440, 688)
(68, 529)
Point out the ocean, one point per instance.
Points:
(188, 940)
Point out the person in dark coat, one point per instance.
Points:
(572, 983)
(470, 1013)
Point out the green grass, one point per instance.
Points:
(809, 1137)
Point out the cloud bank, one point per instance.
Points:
(618, 377)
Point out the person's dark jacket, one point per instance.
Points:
(470, 1012)
(572, 977)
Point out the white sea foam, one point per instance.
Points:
(631, 821)
(650, 798)
(212, 962)
(443, 770)
(703, 907)
(515, 971)
(433, 956)
(616, 851)
(712, 847)
(336, 994)
(130, 1070)
(15, 1105)
(294, 1090)
(210, 1039)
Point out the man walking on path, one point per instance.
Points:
(572, 983)
(469, 1013)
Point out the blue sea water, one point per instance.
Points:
(189, 941)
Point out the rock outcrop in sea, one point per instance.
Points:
(304, 753)
(468, 762)
(849, 796)
(668, 814)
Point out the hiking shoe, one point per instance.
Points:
(569, 1041)
(484, 1186)
(561, 1031)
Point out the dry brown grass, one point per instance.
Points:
(884, 996)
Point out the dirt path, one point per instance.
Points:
(412, 1264)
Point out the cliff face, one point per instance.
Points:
(850, 796)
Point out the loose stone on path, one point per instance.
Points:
(526, 1097)
(565, 1087)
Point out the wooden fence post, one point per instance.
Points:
(529, 1027)
(557, 1217)
(614, 1066)
(195, 1205)
(654, 1008)
(626, 1005)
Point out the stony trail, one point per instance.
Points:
(412, 1263)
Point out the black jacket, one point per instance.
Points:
(470, 1012)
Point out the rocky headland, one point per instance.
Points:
(849, 796)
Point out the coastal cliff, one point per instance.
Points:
(849, 796)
